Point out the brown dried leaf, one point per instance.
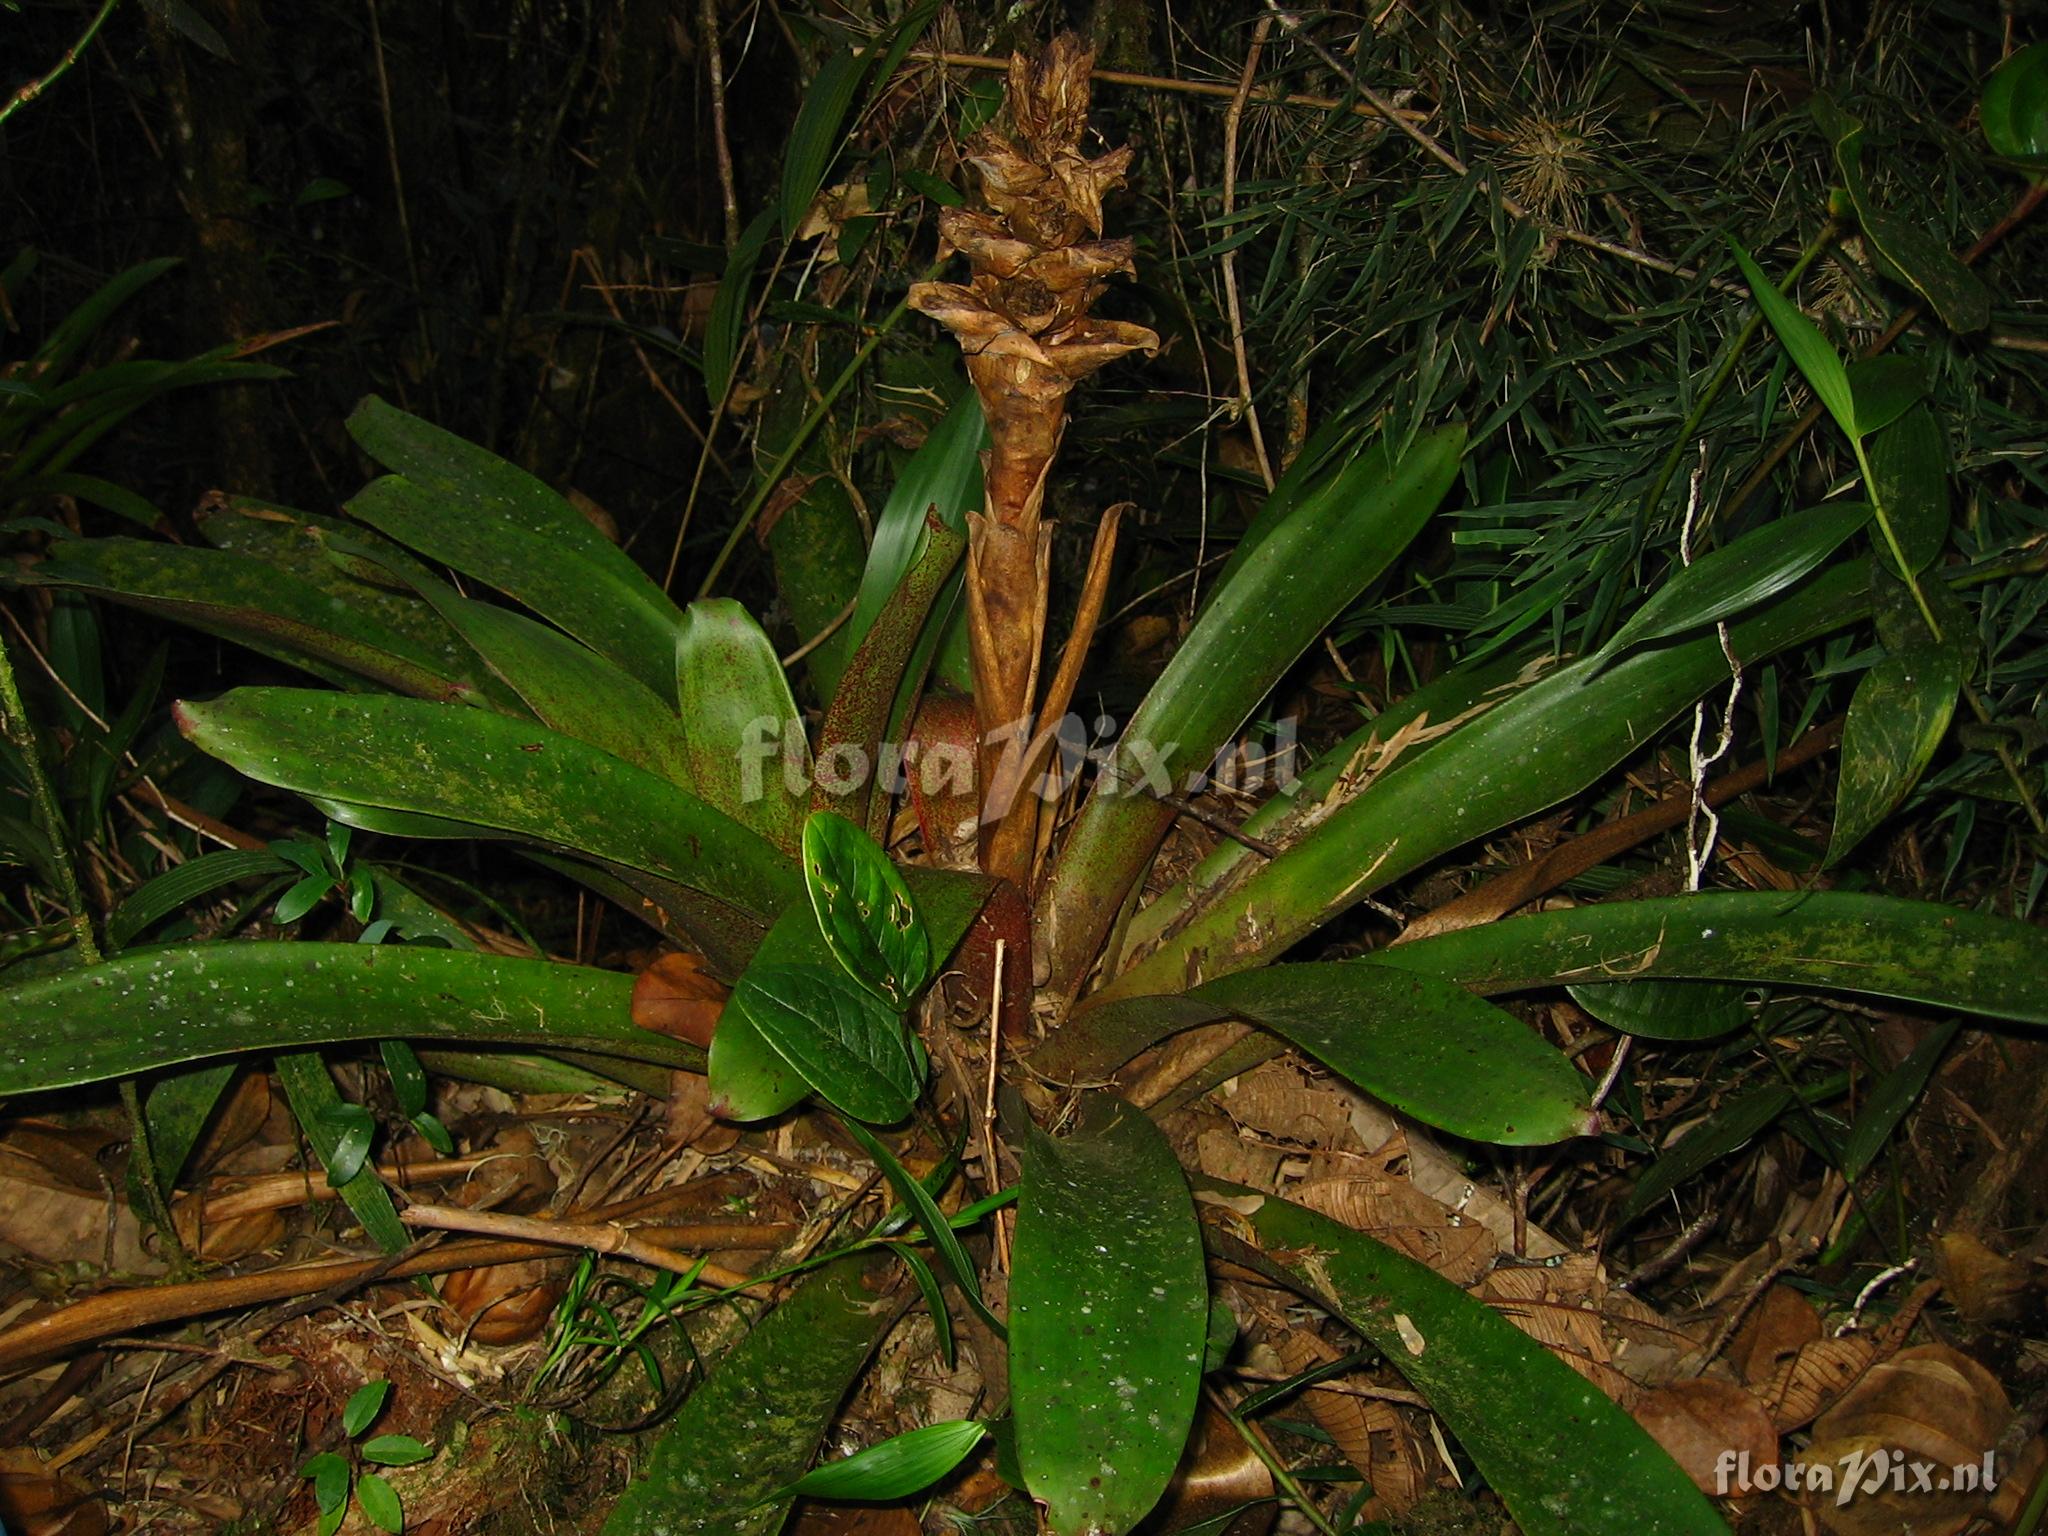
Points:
(506, 1303)
(1780, 1325)
(1363, 1194)
(678, 996)
(35, 1501)
(1931, 1405)
(58, 1223)
(1217, 1472)
(1985, 1286)
(1805, 1384)
(1275, 1100)
(1225, 1155)
(1558, 1306)
(1701, 1421)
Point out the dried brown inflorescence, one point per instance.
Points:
(1023, 319)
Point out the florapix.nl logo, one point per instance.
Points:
(1044, 763)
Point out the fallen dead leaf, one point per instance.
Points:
(678, 996)
(1701, 1421)
(1779, 1326)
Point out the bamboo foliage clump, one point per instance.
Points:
(1037, 263)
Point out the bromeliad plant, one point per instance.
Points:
(657, 755)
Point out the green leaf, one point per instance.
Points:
(351, 1128)
(330, 1521)
(934, 1299)
(741, 721)
(1918, 952)
(814, 141)
(1538, 746)
(2014, 111)
(1108, 1315)
(749, 1079)
(394, 1451)
(83, 322)
(1908, 253)
(1897, 717)
(331, 1476)
(363, 1406)
(468, 508)
(944, 478)
(748, 1432)
(1732, 1126)
(846, 1043)
(240, 598)
(322, 1115)
(90, 489)
(926, 185)
(1666, 1010)
(569, 687)
(159, 1007)
(379, 1503)
(1433, 1051)
(1909, 467)
(355, 567)
(937, 1230)
(1804, 344)
(301, 898)
(1891, 1098)
(865, 911)
(408, 1077)
(477, 773)
(729, 306)
(1328, 548)
(178, 1106)
(895, 1468)
(623, 617)
(883, 681)
(1563, 1458)
(1885, 389)
(1727, 581)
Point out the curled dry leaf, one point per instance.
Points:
(1218, 1472)
(1366, 1194)
(35, 1501)
(513, 1176)
(1699, 1422)
(1377, 1437)
(47, 1217)
(1804, 1385)
(506, 1303)
(1983, 1285)
(1779, 1326)
(227, 1238)
(678, 996)
(236, 1121)
(1932, 1406)
(1559, 1307)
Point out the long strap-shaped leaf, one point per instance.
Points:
(1301, 575)
(1424, 1045)
(488, 771)
(1108, 1313)
(1525, 754)
(158, 1007)
(1915, 951)
(1565, 1460)
(255, 603)
(468, 508)
(724, 1463)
